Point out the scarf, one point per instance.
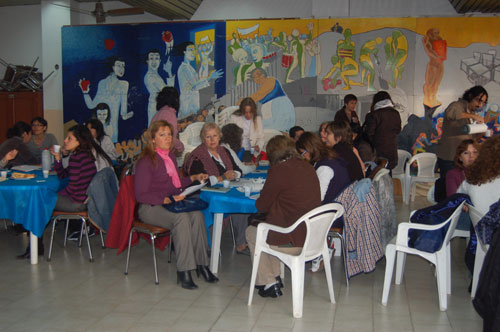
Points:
(383, 104)
(201, 154)
(169, 166)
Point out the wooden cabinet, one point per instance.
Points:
(18, 106)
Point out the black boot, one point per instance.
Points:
(273, 291)
(184, 277)
(206, 273)
(27, 253)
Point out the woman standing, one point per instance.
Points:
(40, 140)
(348, 112)
(157, 182)
(247, 119)
(167, 104)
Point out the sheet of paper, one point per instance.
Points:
(26, 168)
(189, 190)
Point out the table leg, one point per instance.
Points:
(216, 236)
(34, 248)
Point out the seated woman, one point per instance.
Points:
(211, 158)
(322, 132)
(283, 201)
(339, 137)
(466, 154)
(104, 141)
(14, 151)
(40, 140)
(247, 119)
(231, 140)
(156, 179)
(167, 104)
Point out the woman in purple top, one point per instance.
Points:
(466, 154)
(167, 104)
(157, 182)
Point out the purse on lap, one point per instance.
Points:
(186, 205)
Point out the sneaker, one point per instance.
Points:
(317, 263)
(75, 236)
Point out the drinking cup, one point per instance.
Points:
(248, 190)
(3, 174)
(225, 183)
(57, 148)
(45, 173)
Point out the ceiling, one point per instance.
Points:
(167, 9)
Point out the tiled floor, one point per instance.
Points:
(71, 294)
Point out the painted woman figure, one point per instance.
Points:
(435, 47)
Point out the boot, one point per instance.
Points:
(206, 273)
(184, 277)
(27, 253)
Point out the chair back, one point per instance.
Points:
(475, 216)
(318, 223)
(190, 136)
(426, 163)
(224, 117)
(452, 220)
(403, 156)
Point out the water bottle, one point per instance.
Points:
(46, 160)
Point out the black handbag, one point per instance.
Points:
(186, 205)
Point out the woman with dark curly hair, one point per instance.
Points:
(483, 176)
(167, 104)
(231, 140)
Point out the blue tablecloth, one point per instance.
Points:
(30, 202)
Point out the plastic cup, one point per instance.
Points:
(3, 174)
(45, 173)
(488, 133)
(57, 148)
(225, 183)
(248, 190)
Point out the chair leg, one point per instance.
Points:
(81, 234)
(441, 280)
(128, 250)
(86, 227)
(255, 267)
(448, 269)
(328, 271)
(52, 239)
(298, 286)
(154, 257)
(390, 257)
(66, 233)
(400, 266)
(232, 231)
(102, 240)
(282, 271)
(478, 264)
(170, 249)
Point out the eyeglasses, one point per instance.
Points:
(37, 125)
(303, 153)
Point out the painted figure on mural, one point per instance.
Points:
(101, 112)
(346, 52)
(396, 52)
(257, 52)
(313, 49)
(190, 83)
(205, 49)
(154, 82)
(435, 47)
(112, 91)
(297, 43)
(277, 109)
(241, 73)
(331, 81)
(368, 69)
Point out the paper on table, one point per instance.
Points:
(189, 190)
(26, 168)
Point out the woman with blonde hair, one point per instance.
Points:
(247, 119)
(157, 182)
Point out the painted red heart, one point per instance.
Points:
(109, 44)
(167, 36)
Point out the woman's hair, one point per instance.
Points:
(348, 98)
(209, 126)
(100, 107)
(311, 143)
(475, 91)
(280, 148)
(149, 149)
(18, 129)
(248, 101)
(99, 128)
(323, 125)
(487, 165)
(87, 143)
(232, 134)
(379, 96)
(168, 96)
(461, 148)
(42, 121)
(341, 129)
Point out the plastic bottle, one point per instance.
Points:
(46, 160)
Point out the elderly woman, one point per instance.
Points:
(157, 182)
(283, 201)
(40, 139)
(211, 158)
(247, 119)
(167, 104)
(14, 151)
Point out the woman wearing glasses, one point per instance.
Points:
(40, 139)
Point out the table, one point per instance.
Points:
(233, 201)
(30, 203)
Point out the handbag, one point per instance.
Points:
(186, 205)
(256, 218)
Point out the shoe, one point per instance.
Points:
(27, 253)
(75, 236)
(184, 277)
(273, 291)
(245, 252)
(278, 281)
(206, 273)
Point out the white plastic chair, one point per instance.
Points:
(441, 258)
(318, 223)
(268, 134)
(399, 171)
(426, 162)
(224, 117)
(190, 137)
(481, 249)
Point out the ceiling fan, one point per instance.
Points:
(100, 14)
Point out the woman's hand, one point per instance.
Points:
(10, 155)
(176, 198)
(199, 177)
(231, 175)
(478, 118)
(57, 155)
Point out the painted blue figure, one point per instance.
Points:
(190, 83)
(112, 91)
(277, 109)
